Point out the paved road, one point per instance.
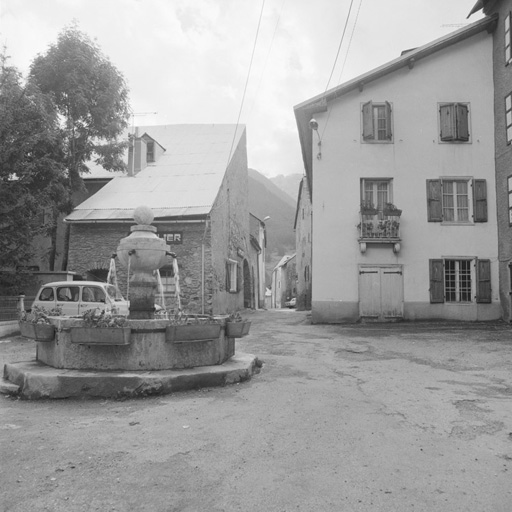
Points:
(405, 417)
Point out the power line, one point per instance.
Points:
(339, 47)
(266, 58)
(246, 81)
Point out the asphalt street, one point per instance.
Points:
(365, 417)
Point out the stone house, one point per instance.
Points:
(400, 166)
(284, 281)
(302, 226)
(502, 77)
(194, 178)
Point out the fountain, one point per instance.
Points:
(142, 252)
(149, 357)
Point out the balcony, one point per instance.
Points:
(379, 227)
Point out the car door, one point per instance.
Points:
(68, 299)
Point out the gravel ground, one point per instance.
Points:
(401, 417)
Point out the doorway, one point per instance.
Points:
(381, 293)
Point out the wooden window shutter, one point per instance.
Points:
(479, 200)
(483, 281)
(436, 281)
(447, 122)
(228, 277)
(238, 277)
(368, 132)
(389, 134)
(462, 115)
(434, 201)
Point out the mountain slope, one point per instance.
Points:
(266, 199)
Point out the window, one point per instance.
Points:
(451, 280)
(509, 182)
(454, 122)
(376, 192)
(168, 280)
(150, 151)
(376, 120)
(232, 278)
(508, 117)
(459, 200)
(93, 294)
(508, 39)
(457, 280)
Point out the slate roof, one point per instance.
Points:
(184, 182)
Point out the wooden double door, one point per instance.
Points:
(381, 292)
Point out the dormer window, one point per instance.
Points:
(150, 151)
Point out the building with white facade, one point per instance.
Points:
(416, 135)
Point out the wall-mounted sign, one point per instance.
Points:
(173, 237)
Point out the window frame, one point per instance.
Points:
(455, 128)
(477, 201)
(479, 273)
(232, 276)
(507, 25)
(375, 192)
(370, 122)
(509, 188)
(508, 118)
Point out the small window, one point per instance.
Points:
(377, 122)
(168, 279)
(508, 117)
(232, 276)
(93, 294)
(452, 280)
(376, 193)
(508, 40)
(46, 294)
(454, 122)
(150, 151)
(68, 294)
(509, 185)
(457, 200)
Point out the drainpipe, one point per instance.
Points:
(202, 266)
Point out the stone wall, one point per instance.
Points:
(91, 246)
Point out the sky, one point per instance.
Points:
(229, 61)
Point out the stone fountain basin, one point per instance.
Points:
(148, 349)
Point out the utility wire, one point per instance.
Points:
(266, 58)
(344, 62)
(339, 47)
(350, 42)
(246, 82)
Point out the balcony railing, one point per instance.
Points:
(387, 227)
(379, 228)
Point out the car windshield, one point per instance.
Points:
(114, 293)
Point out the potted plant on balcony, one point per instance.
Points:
(390, 210)
(36, 324)
(184, 328)
(101, 328)
(236, 326)
(367, 208)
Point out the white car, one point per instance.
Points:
(291, 303)
(76, 297)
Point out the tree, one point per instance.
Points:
(32, 176)
(92, 99)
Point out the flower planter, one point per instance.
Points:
(192, 332)
(247, 326)
(237, 329)
(369, 211)
(38, 332)
(392, 213)
(101, 335)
